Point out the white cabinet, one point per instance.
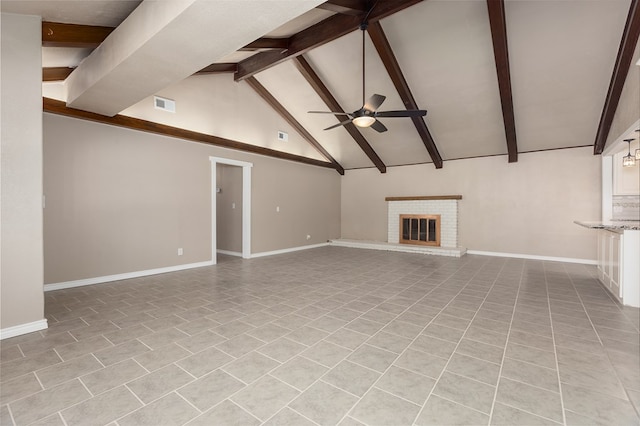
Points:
(609, 261)
(614, 258)
(618, 264)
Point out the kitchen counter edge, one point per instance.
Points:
(610, 225)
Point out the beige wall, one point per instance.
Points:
(123, 201)
(229, 208)
(526, 207)
(21, 189)
(215, 104)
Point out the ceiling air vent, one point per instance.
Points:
(164, 104)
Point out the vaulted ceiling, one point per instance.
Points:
(496, 77)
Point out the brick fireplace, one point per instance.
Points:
(445, 206)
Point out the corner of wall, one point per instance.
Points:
(22, 301)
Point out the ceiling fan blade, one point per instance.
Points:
(378, 126)
(328, 112)
(405, 113)
(374, 102)
(342, 123)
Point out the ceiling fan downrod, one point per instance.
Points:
(363, 28)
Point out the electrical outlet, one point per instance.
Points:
(308, 237)
(180, 252)
(233, 205)
(278, 209)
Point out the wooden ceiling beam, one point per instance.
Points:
(218, 69)
(280, 109)
(314, 80)
(345, 7)
(55, 34)
(318, 35)
(385, 52)
(58, 107)
(619, 76)
(498, 23)
(56, 73)
(266, 43)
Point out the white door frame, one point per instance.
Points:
(246, 206)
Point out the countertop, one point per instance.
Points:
(611, 225)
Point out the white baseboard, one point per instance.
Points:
(229, 253)
(18, 330)
(404, 248)
(534, 257)
(125, 276)
(288, 250)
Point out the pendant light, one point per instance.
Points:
(638, 150)
(628, 160)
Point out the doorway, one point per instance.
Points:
(246, 205)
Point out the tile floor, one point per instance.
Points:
(332, 336)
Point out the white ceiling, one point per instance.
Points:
(561, 58)
(163, 42)
(104, 13)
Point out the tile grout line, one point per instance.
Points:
(21, 351)
(38, 379)
(84, 386)
(292, 409)
(200, 412)
(506, 344)
(555, 347)
(175, 364)
(64, 421)
(132, 411)
(533, 414)
(11, 414)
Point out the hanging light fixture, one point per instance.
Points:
(638, 150)
(628, 160)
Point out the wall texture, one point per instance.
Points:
(526, 207)
(123, 201)
(21, 122)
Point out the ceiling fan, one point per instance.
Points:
(368, 114)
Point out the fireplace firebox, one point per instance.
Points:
(420, 229)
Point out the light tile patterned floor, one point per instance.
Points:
(332, 336)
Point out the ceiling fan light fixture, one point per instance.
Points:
(364, 121)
